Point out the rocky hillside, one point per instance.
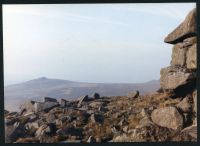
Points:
(168, 115)
(35, 89)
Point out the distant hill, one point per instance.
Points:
(15, 94)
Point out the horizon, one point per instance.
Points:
(95, 43)
(46, 78)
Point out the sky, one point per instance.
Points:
(98, 43)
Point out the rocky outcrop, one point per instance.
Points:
(181, 75)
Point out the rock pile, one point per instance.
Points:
(179, 79)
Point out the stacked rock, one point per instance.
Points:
(180, 77)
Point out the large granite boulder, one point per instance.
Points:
(184, 30)
(167, 117)
(174, 76)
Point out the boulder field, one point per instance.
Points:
(170, 114)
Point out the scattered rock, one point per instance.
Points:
(167, 117)
(97, 118)
(96, 96)
(96, 104)
(133, 94)
(65, 103)
(102, 109)
(144, 122)
(44, 106)
(51, 118)
(28, 107)
(84, 98)
(12, 133)
(91, 139)
(49, 99)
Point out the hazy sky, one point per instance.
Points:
(88, 42)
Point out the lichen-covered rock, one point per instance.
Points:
(174, 76)
(184, 30)
(192, 57)
(167, 117)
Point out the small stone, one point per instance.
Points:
(64, 103)
(96, 96)
(51, 118)
(46, 106)
(81, 99)
(97, 118)
(133, 94)
(49, 99)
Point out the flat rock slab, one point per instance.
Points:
(184, 30)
